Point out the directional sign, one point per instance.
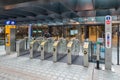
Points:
(108, 31)
(108, 19)
(10, 22)
(108, 40)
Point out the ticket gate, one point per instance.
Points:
(86, 52)
(40, 40)
(47, 48)
(35, 48)
(59, 49)
(21, 47)
(73, 49)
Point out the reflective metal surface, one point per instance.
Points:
(47, 48)
(21, 47)
(59, 49)
(73, 49)
(34, 48)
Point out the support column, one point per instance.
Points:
(86, 30)
(108, 42)
(29, 34)
(118, 46)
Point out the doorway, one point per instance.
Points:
(94, 32)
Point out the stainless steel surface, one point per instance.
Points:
(47, 48)
(59, 49)
(12, 40)
(21, 47)
(98, 52)
(86, 52)
(34, 48)
(73, 50)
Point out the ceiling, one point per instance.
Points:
(9, 2)
(26, 11)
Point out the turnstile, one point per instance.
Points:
(59, 49)
(40, 40)
(21, 47)
(73, 49)
(86, 52)
(47, 48)
(35, 48)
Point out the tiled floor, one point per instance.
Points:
(114, 74)
(23, 68)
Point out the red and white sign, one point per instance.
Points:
(108, 40)
(108, 19)
(108, 31)
(108, 22)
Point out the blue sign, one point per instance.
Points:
(108, 37)
(13, 22)
(10, 22)
(107, 17)
(7, 22)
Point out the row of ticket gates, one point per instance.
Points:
(48, 47)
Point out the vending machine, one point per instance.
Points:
(10, 41)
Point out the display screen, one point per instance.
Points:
(39, 31)
(73, 32)
(76, 31)
(34, 31)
